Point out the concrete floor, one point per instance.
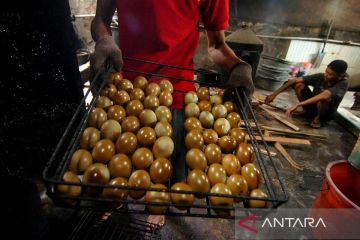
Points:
(302, 186)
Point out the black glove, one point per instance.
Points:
(105, 49)
(240, 77)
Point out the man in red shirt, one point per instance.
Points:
(166, 32)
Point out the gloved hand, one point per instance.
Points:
(106, 48)
(241, 77)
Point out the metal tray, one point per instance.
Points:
(68, 144)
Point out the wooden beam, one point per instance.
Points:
(280, 119)
(287, 157)
(293, 132)
(281, 139)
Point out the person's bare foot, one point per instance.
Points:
(156, 219)
(315, 124)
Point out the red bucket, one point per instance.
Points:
(341, 190)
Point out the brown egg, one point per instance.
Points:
(251, 175)
(103, 151)
(229, 106)
(134, 108)
(125, 85)
(221, 188)
(258, 193)
(216, 99)
(103, 102)
(148, 118)
(165, 98)
(210, 136)
(153, 89)
(194, 139)
(97, 117)
(198, 181)
(151, 102)
(121, 98)
(166, 85)
(222, 126)
(238, 134)
(126, 143)
(216, 174)
(161, 171)
(97, 173)
(219, 111)
(163, 128)
(237, 185)
(140, 82)
(139, 178)
(137, 94)
(157, 197)
(120, 166)
(204, 105)
(142, 158)
(110, 90)
(70, 190)
(195, 159)
(207, 119)
(234, 119)
(190, 97)
(80, 160)
(146, 136)
(245, 153)
(114, 78)
(182, 198)
(116, 112)
(89, 138)
(120, 193)
(192, 110)
(163, 147)
(203, 93)
(192, 123)
(163, 113)
(130, 124)
(231, 164)
(227, 144)
(213, 153)
(111, 129)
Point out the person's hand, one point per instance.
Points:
(270, 98)
(241, 77)
(291, 110)
(105, 49)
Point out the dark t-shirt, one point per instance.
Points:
(337, 89)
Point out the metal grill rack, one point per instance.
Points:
(68, 144)
(94, 226)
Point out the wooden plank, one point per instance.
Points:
(270, 105)
(281, 139)
(294, 132)
(287, 157)
(280, 119)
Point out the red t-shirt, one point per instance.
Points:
(166, 31)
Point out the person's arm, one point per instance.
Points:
(105, 47)
(100, 25)
(222, 55)
(324, 95)
(219, 52)
(288, 84)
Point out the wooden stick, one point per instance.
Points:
(293, 132)
(288, 158)
(281, 139)
(270, 105)
(272, 154)
(280, 119)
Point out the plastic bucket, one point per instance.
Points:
(340, 190)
